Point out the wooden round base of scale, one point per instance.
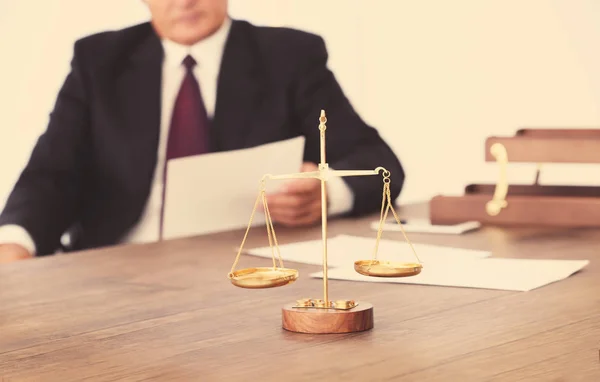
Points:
(328, 321)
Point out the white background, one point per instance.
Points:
(435, 77)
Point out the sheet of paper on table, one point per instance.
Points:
(490, 273)
(344, 250)
(216, 192)
(424, 226)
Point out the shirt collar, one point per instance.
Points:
(206, 52)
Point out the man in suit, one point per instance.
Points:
(191, 81)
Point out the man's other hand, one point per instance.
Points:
(298, 203)
(13, 252)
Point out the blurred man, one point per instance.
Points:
(191, 81)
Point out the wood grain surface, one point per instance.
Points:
(167, 312)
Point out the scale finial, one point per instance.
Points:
(322, 118)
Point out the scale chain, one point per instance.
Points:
(270, 229)
(383, 216)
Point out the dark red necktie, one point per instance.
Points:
(189, 130)
(188, 133)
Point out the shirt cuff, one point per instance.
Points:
(340, 198)
(15, 234)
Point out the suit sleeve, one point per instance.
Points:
(351, 144)
(46, 198)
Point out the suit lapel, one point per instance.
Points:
(239, 90)
(138, 96)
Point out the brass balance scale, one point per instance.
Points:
(316, 315)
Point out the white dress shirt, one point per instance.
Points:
(208, 54)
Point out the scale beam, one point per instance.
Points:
(324, 173)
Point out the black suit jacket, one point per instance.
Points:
(94, 165)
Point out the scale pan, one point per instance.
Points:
(377, 268)
(265, 277)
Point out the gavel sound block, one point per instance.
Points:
(529, 205)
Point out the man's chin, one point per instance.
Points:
(189, 37)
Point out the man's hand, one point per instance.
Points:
(13, 252)
(298, 203)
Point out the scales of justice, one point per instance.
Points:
(323, 315)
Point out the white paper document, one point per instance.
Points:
(216, 192)
(490, 273)
(344, 250)
(424, 226)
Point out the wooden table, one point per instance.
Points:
(167, 311)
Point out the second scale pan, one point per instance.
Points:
(378, 268)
